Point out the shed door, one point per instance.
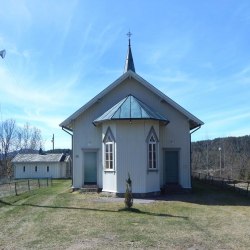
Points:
(171, 166)
(90, 167)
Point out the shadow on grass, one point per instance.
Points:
(202, 194)
(138, 211)
(131, 210)
(207, 194)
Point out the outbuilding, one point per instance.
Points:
(42, 166)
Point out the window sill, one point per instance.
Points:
(153, 170)
(109, 170)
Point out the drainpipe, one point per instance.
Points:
(70, 132)
(191, 154)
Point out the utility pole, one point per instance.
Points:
(2, 54)
(207, 159)
(53, 142)
(220, 159)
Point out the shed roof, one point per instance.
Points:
(130, 108)
(39, 158)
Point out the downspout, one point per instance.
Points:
(191, 155)
(70, 132)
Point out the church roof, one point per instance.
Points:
(194, 121)
(130, 108)
(129, 72)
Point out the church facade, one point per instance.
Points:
(131, 128)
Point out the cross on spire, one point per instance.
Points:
(129, 34)
(129, 64)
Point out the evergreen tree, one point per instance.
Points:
(128, 195)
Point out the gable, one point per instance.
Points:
(131, 83)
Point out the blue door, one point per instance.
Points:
(171, 166)
(90, 167)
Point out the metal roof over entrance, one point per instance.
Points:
(130, 108)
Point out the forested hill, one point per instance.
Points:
(228, 157)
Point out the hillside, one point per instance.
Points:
(228, 157)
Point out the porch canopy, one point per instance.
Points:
(130, 108)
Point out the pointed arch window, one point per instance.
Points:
(152, 142)
(109, 150)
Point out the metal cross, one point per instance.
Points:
(129, 34)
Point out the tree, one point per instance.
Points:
(14, 138)
(234, 158)
(7, 136)
(128, 195)
(28, 138)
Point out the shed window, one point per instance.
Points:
(152, 141)
(23, 168)
(35, 168)
(47, 168)
(109, 150)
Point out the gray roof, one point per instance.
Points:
(193, 121)
(39, 158)
(130, 108)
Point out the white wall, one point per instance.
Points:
(109, 176)
(87, 136)
(132, 156)
(56, 170)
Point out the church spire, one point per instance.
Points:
(129, 64)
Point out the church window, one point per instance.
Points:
(109, 150)
(152, 142)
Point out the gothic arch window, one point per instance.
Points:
(109, 150)
(152, 147)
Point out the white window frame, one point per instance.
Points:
(152, 150)
(109, 151)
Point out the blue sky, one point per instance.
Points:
(60, 54)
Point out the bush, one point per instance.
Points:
(128, 195)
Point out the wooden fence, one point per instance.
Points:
(21, 186)
(240, 186)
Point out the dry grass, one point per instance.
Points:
(55, 218)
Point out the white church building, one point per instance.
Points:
(131, 128)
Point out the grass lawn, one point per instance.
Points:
(55, 218)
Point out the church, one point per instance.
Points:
(131, 128)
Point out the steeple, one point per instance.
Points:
(129, 64)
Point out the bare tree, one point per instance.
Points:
(28, 138)
(14, 138)
(7, 137)
(35, 139)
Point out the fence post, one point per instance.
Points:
(29, 185)
(38, 183)
(47, 182)
(15, 189)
